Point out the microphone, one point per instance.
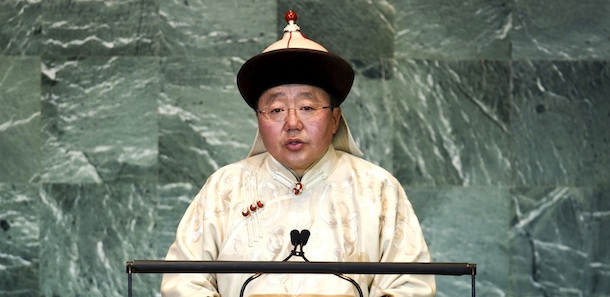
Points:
(305, 237)
(298, 239)
(295, 237)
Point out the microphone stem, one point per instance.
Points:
(251, 278)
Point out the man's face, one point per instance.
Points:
(294, 141)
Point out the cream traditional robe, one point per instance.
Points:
(355, 211)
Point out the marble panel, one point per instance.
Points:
(561, 121)
(204, 123)
(452, 122)
(467, 224)
(20, 27)
(369, 110)
(19, 118)
(88, 234)
(559, 242)
(601, 133)
(447, 29)
(19, 239)
(561, 30)
(99, 118)
(216, 28)
(174, 199)
(98, 27)
(352, 29)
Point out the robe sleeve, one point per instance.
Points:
(197, 239)
(401, 240)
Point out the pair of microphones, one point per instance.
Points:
(299, 240)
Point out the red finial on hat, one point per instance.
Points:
(290, 16)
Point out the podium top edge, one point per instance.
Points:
(437, 268)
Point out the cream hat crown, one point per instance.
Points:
(294, 59)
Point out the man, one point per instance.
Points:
(304, 172)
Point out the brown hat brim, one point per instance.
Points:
(294, 66)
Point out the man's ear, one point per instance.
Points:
(336, 118)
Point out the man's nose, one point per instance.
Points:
(292, 117)
(292, 111)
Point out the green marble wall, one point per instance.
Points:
(494, 114)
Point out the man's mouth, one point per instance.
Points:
(294, 143)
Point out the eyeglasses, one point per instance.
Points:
(304, 113)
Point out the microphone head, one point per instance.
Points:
(295, 237)
(305, 236)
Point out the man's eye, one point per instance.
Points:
(308, 108)
(276, 110)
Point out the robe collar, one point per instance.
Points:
(313, 176)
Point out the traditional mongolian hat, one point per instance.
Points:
(294, 59)
(297, 59)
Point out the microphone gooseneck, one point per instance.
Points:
(298, 240)
(251, 278)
